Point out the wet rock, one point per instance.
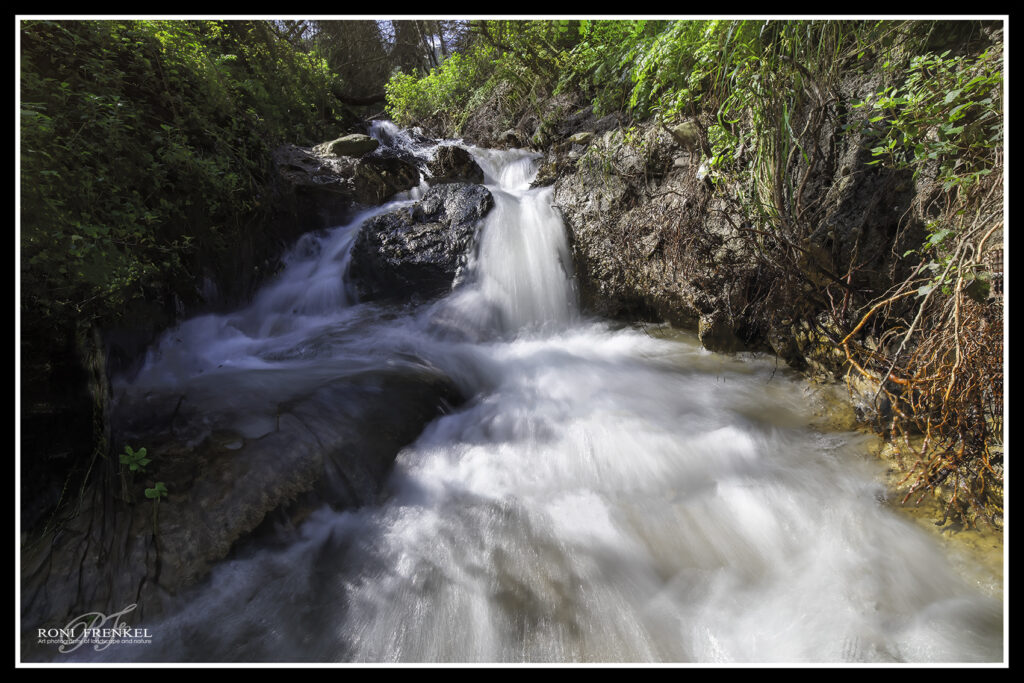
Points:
(452, 164)
(333, 442)
(866, 399)
(716, 333)
(547, 174)
(817, 342)
(417, 252)
(406, 145)
(509, 138)
(623, 249)
(784, 344)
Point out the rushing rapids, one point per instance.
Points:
(605, 494)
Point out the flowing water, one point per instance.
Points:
(606, 494)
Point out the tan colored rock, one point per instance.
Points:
(354, 145)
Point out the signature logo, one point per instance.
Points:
(97, 629)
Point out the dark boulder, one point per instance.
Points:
(416, 252)
(453, 164)
(320, 191)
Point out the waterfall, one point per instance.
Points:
(607, 494)
(520, 277)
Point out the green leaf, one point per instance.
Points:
(939, 237)
(955, 115)
(158, 490)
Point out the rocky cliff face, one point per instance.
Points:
(656, 235)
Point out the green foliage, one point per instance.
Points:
(603, 61)
(527, 57)
(446, 91)
(947, 109)
(943, 116)
(157, 492)
(141, 141)
(136, 460)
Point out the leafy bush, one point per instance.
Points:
(602, 63)
(445, 91)
(946, 109)
(142, 140)
(526, 56)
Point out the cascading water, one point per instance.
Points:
(520, 278)
(605, 495)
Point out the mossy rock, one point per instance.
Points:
(581, 138)
(354, 145)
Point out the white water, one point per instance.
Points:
(604, 496)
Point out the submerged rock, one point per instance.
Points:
(417, 252)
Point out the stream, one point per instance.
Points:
(608, 493)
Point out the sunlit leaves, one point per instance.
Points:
(948, 110)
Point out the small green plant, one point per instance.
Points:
(158, 491)
(136, 460)
(445, 91)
